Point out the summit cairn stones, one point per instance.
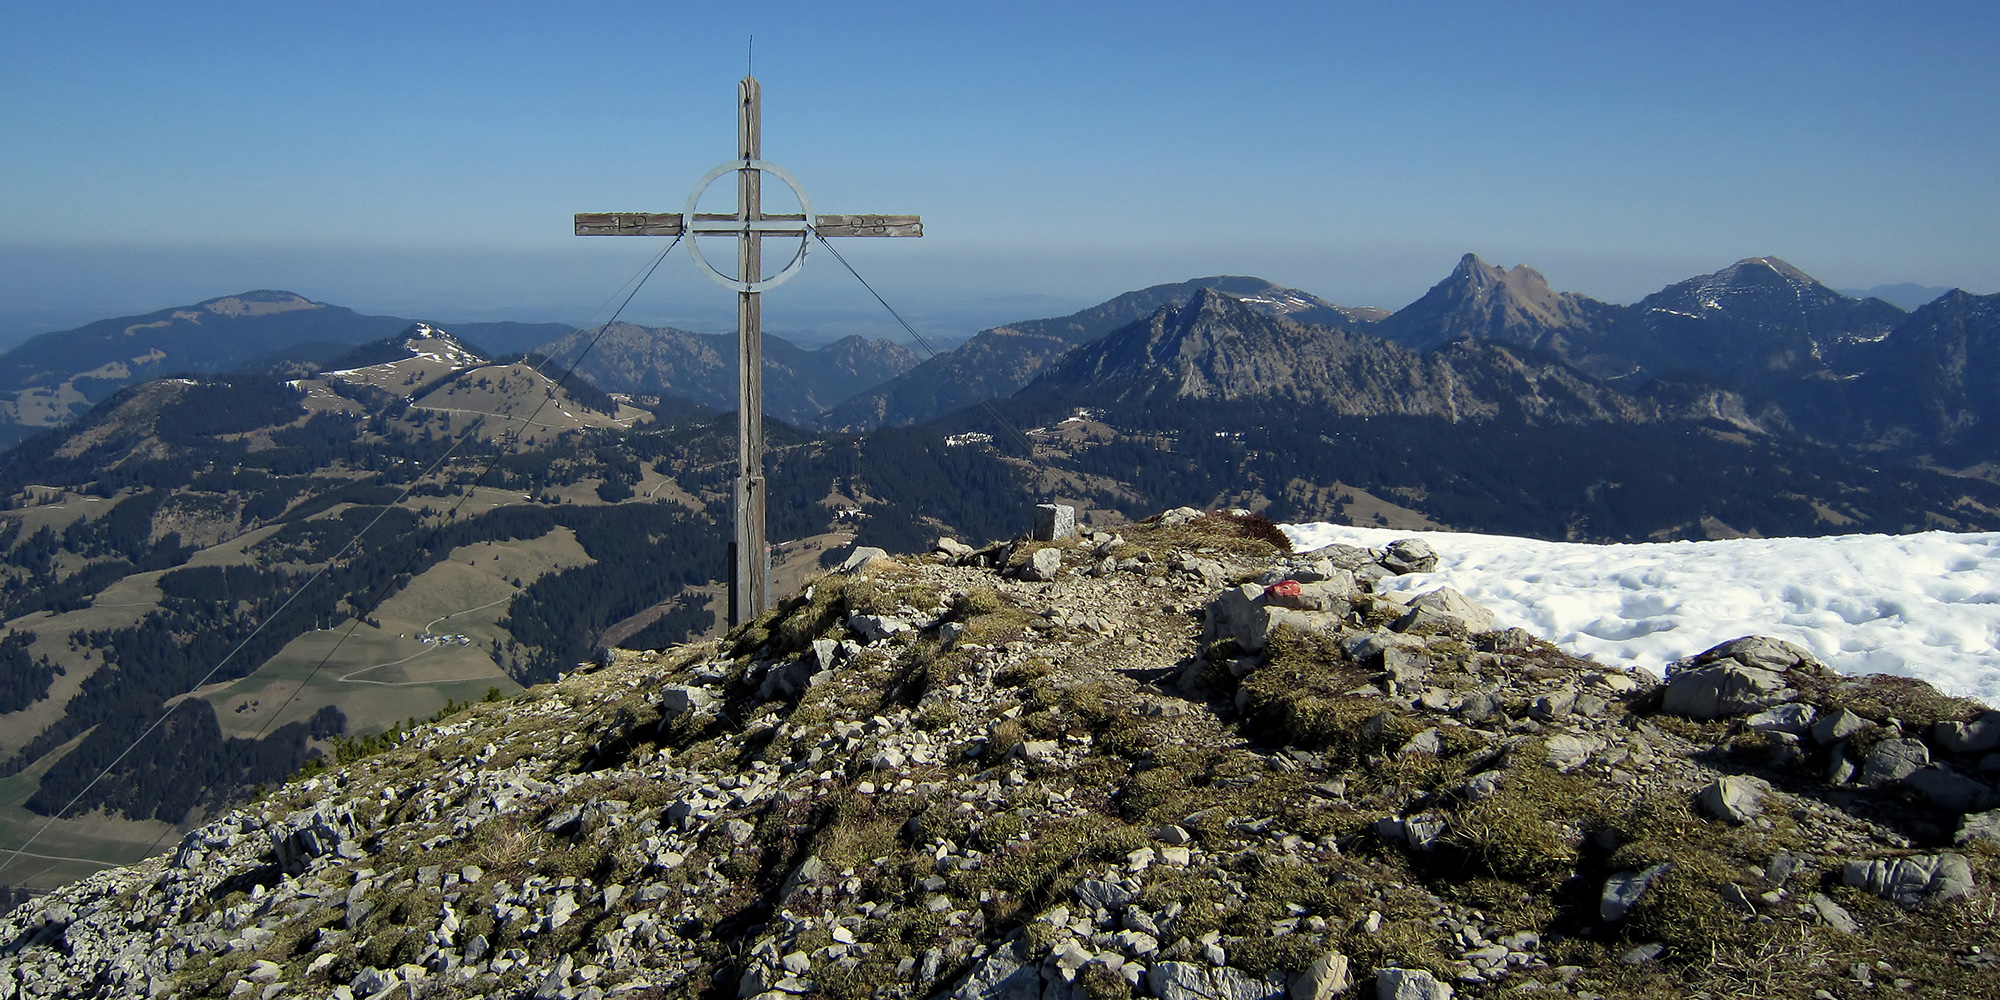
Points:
(1760, 651)
(1736, 798)
(1250, 614)
(1912, 881)
(309, 834)
(1951, 791)
(1838, 725)
(1979, 827)
(1004, 974)
(1054, 522)
(1409, 984)
(1894, 760)
(1447, 603)
(860, 559)
(1736, 678)
(1043, 566)
(1190, 981)
(1327, 976)
(1409, 555)
(680, 699)
(1793, 718)
(1335, 594)
(1979, 735)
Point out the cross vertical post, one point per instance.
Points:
(752, 591)
(749, 568)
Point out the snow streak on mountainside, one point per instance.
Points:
(1763, 315)
(1924, 605)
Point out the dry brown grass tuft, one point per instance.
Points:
(1762, 970)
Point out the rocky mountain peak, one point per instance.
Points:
(1179, 761)
(1754, 283)
(1763, 320)
(1210, 346)
(1217, 348)
(1774, 265)
(1000, 361)
(1479, 301)
(1520, 287)
(1474, 276)
(1938, 375)
(1205, 304)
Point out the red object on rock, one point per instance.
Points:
(1283, 588)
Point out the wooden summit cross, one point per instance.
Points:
(749, 586)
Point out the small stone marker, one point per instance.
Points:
(1734, 798)
(1054, 522)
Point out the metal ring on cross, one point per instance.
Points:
(757, 283)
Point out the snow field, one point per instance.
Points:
(1925, 605)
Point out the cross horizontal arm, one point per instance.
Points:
(719, 224)
(870, 225)
(628, 223)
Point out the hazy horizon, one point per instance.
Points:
(422, 162)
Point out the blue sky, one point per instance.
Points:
(424, 159)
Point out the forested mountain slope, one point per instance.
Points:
(798, 384)
(253, 528)
(53, 378)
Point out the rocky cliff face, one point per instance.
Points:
(998, 362)
(1763, 339)
(1215, 348)
(1516, 306)
(1177, 762)
(1936, 379)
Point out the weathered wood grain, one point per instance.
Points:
(870, 225)
(628, 223)
(735, 217)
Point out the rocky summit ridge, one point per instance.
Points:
(1179, 762)
(1215, 348)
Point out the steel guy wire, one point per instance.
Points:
(919, 338)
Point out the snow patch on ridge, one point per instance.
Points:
(1924, 605)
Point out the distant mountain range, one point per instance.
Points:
(1801, 357)
(53, 378)
(1759, 343)
(799, 384)
(1907, 295)
(177, 518)
(1216, 347)
(174, 519)
(1759, 340)
(999, 361)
